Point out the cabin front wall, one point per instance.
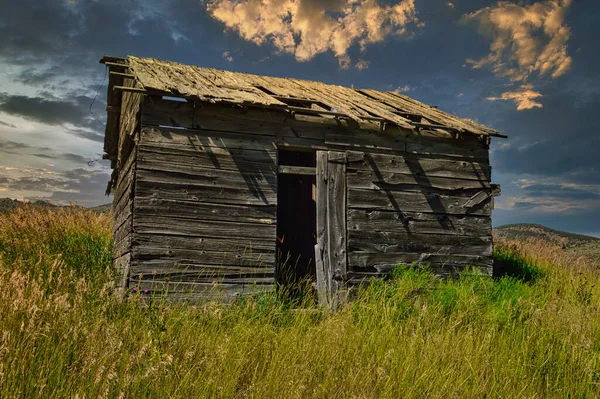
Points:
(204, 202)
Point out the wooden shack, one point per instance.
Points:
(235, 183)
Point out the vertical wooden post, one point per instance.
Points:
(330, 251)
(321, 257)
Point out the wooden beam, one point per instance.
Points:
(123, 75)
(309, 111)
(297, 170)
(108, 58)
(417, 124)
(130, 89)
(296, 99)
(111, 108)
(116, 64)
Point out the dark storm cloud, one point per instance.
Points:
(35, 77)
(16, 148)
(44, 110)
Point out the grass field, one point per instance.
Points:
(535, 332)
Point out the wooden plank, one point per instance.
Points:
(148, 206)
(336, 225)
(156, 111)
(207, 139)
(204, 193)
(362, 276)
(390, 226)
(121, 270)
(375, 180)
(401, 201)
(199, 291)
(195, 271)
(297, 170)
(122, 247)
(122, 215)
(259, 184)
(385, 262)
(322, 245)
(128, 89)
(414, 165)
(246, 258)
(182, 226)
(190, 160)
(377, 241)
(123, 231)
(240, 245)
(447, 148)
(456, 120)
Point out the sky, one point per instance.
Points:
(530, 69)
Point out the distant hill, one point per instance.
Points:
(528, 230)
(8, 204)
(577, 243)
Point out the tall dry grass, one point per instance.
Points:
(534, 332)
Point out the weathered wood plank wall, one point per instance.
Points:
(406, 208)
(206, 196)
(204, 212)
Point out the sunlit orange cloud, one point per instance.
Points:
(306, 28)
(524, 97)
(525, 39)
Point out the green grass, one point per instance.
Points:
(532, 331)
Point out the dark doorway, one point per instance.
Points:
(296, 217)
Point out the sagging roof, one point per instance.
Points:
(217, 86)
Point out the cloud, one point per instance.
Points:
(403, 89)
(362, 64)
(51, 111)
(524, 98)
(17, 148)
(227, 55)
(306, 28)
(525, 38)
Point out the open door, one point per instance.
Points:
(330, 249)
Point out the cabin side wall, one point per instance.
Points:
(123, 186)
(204, 212)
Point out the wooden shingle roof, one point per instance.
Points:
(166, 78)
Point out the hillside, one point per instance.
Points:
(9, 204)
(577, 244)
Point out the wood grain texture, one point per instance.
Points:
(405, 201)
(150, 206)
(418, 166)
(376, 180)
(396, 224)
(322, 245)
(391, 241)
